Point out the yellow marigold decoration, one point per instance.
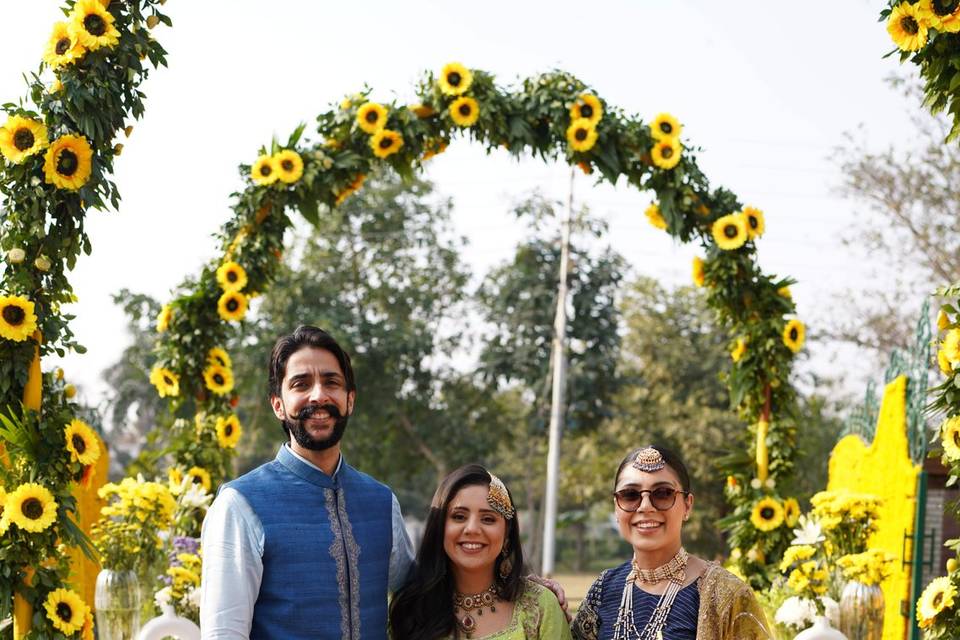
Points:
(198, 475)
(65, 610)
(665, 126)
(951, 345)
(791, 511)
(767, 514)
(231, 276)
(68, 162)
(92, 25)
(455, 79)
(937, 597)
(943, 320)
(587, 107)
(232, 306)
(754, 220)
(264, 171)
(907, 27)
(164, 318)
(940, 15)
(22, 137)
(63, 48)
(31, 507)
(82, 442)
(351, 188)
(739, 350)
(654, 217)
(793, 335)
(372, 117)
(464, 111)
(385, 143)
(950, 438)
(219, 356)
(17, 319)
(796, 554)
(581, 135)
(666, 153)
(289, 166)
(218, 379)
(166, 382)
(228, 431)
(730, 232)
(182, 575)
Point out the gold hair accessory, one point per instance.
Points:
(649, 460)
(499, 499)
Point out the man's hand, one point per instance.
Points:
(557, 590)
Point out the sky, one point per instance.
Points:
(766, 90)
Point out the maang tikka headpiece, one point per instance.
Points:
(499, 499)
(649, 460)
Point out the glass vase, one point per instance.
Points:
(117, 604)
(821, 630)
(861, 611)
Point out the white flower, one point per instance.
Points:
(796, 612)
(755, 483)
(195, 496)
(809, 532)
(162, 597)
(831, 610)
(193, 597)
(16, 255)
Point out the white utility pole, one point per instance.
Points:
(558, 402)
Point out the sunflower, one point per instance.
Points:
(92, 25)
(232, 306)
(231, 276)
(464, 111)
(950, 439)
(199, 476)
(166, 382)
(907, 27)
(767, 514)
(31, 507)
(174, 477)
(581, 135)
(951, 345)
(455, 79)
(587, 107)
(289, 166)
(784, 292)
(372, 117)
(218, 356)
(938, 596)
(791, 511)
(666, 153)
(942, 15)
(21, 137)
(665, 126)
(793, 335)
(350, 189)
(730, 232)
(164, 318)
(63, 47)
(385, 143)
(944, 362)
(754, 220)
(699, 276)
(218, 379)
(17, 319)
(422, 111)
(228, 431)
(67, 163)
(65, 610)
(264, 171)
(943, 320)
(654, 217)
(739, 349)
(82, 442)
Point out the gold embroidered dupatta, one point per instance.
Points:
(728, 608)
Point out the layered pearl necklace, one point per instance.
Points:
(674, 571)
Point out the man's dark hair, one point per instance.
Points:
(306, 336)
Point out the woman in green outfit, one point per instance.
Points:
(468, 581)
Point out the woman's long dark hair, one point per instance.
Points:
(423, 609)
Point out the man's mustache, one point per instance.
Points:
(312, 409)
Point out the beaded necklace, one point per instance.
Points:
(674, 571)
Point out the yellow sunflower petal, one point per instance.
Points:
(581, 135)
(66, 610)
(464, 111)
(754, 220)
(166, 382)
(791, 511)
(372, 117)
(218, 379)
(200, 476)
(666, 153)
(63, 47)
(289, 166)
(455, 79)
(937, 597)
(385, 143)
(907, 27)
(232, 306)
(739, 349)
(231, 276)
(950, 438)
(92, 25)
(730, 232)
(654, 217)
(793, 335)
(264, 171)
(21, 138)
(17, 318)
(228, 431)
(31, 507)
(587, 107)
(699, 276)
(942, 16)
(767, 514)
(350, 189)
(164, 318)
(82, 442)
(665, 126)
(68, 162)
(219, 356)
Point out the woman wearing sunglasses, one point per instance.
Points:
(662, 592)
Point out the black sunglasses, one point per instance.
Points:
(662, 498)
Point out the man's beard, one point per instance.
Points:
(297, 427)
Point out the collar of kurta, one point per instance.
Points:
(308, 471)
